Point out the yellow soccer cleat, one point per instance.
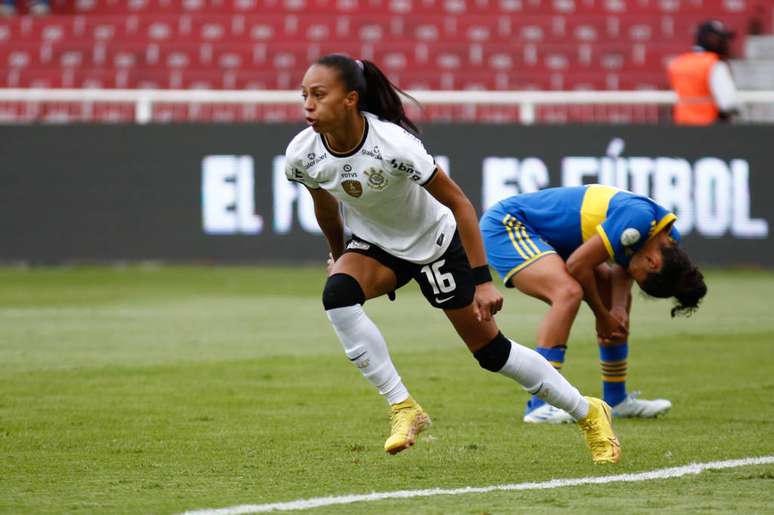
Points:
(408, 420)
(597, 427)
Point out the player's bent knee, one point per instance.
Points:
(494, 354)
(571, 293)
(567, 293)
(342, 290)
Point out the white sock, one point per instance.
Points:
(364, 345)
(539, 378)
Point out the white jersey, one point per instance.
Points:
(379, 184)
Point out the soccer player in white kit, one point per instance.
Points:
(409, 220)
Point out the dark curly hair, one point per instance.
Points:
(678, 278)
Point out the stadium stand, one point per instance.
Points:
(421, 44)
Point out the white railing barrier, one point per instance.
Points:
(527, 101)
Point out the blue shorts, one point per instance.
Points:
(511, 245)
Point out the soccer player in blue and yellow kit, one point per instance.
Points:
(565, 245)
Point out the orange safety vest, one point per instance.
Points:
(689, 75)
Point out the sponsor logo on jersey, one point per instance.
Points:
(374, 152)
(348, 173)
(376, 179)
(313, 159)
(353, 188)
(407, 168)
(358, 245)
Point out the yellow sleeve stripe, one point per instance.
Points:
(605, 240)
(671, 217)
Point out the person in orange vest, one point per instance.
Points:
(706, 93)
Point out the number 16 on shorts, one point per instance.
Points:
(442, 283)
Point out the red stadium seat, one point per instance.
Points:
(421, 44)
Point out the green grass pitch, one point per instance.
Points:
(159, 390)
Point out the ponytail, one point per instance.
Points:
(377, 94)
(382, 98)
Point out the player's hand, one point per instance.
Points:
(487, 301)
(620, 314)
(610, 329)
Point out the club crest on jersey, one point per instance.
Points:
(353, 188)
(376, 179)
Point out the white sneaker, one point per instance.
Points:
(547, 414)
(632, 407)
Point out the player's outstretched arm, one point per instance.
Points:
(488, 300)
(326, 210)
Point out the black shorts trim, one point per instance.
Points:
(446, 282)
(397, 265)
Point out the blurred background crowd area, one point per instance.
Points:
(420, 44)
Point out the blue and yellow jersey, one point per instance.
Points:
(566, 217)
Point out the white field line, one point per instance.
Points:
(306, 504)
